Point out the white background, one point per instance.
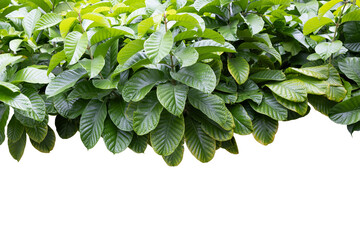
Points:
(303, 186)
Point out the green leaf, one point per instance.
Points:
(75, 46)
(97, 18)
(325, 49)
(201, 145)
(66, 25)
(158, 46)
(69, 108)
(144, 26)
(37, 133)
(298, 107)
(230, 146)
(187, 56)
(31, 75)
(199, 4)
(66, 128)
(327, 6)
(14, 129)
(38, 109)
(140, 84)
(30, 21)
(116, 140)
(4, 115)
(350, 66)
(255, 23)
(55, 60)
(117, 108)
(114, 32)
(139, 143)
(212, 106)
(172, 97)
(213, 35)
(319, 72)
(351, 16)
(239, 69)
(176, 157)
(243, 124)
(215, 131)
(199, 76)
(263, 47)
(292, 90)
(93, 66)
(206, 46)
(47, 144)
(268, 75)
(7, 59)
(166, 137)
(17, 148)
(321, 104)
(314, 86)
(346, 112)
(48, 20)
(64, 81)
(14, 99)
(92, 123)
(315, 23)
(270, 107)
(188, 20)
(265, 129)
(147, 115)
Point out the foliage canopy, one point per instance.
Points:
(175, 72)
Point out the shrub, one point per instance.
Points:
(140, 73)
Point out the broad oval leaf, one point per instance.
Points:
(75, 46)
(116, 140)
(172, 97)
(270, 107)
(346, 112)
(166, 137)
(64, 81)
(48, 20)
(92, 123)
(199, 76)
(158, 45)
(292, 90)
(239, 69)
(265, 129)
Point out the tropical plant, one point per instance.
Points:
(166, 73)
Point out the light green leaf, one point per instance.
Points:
(114, 32)
(255, 23)
(166, 137)
(325, 49)
(187, 56)
(75, 46)
(31, 75)
(188, 20)
(116, 140)
(327, 6)
(319, 72)
(64, 81)
(292, 90)
(14, 99)
(346, 112)
(206, 46)
(48, 20)
(138, 86)
(147, 115)
(30, 21)
(38, 110)
(93, 66)
(315, 23)
(97, 18)
(144, 26)
(65, 25)
(158, 46)
(239, 69)
(129, 50)
(55, 60)
(7, 59)
(199, 76)
(172, 97)
(92, 123)
(201, 145)
(351, 16)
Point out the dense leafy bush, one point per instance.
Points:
(145, 72)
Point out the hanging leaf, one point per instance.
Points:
(75, 46)
(292, 90)
(270, 107)
(48, 20)
(265, 129)
(17, 148)
(47, 144)
(172, 97)
(64, 81)
(176, 157)
(158, 46)
(239, 69)
(243, 123)
(166, 137)
(92, 123)
(66, 128)
(117, 108)
(116, 140)
(346, 112)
